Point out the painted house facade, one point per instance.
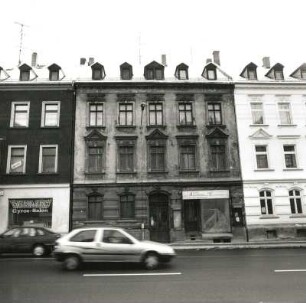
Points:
(271, 110)
(158, 155)
(36, 133)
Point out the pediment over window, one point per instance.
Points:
(156, 134)
(217, 133)
(250, 72)
(276, 72)
(300, 72)
(95, 136)
(260, 134)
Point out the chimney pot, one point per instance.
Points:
(216, 55)
(208, 60)
(91, 60)
(164, 60)
(34, 59)
(82, 61)
(266, 62)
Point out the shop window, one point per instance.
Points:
(20, 114)
(295, 199)
(16, 163)
(290, 156)
(214, 114)
(96, 115)
(48, 159)
(185, 113)
(127, 206)
(50, 115)
(266, 202)
(95, 205)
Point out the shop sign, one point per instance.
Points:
(205, 194)
(27, 206)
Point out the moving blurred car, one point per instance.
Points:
(28, 239)
(106, 244)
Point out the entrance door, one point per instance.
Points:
(159, 218)
(192, 214)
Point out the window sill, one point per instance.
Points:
(49, 127)
(126, 173)
(19, 127)
(298, 216)
(259, 125)
(16, 174)
(188, 171)
(158, 172)
(48, 174)
(156, 126)
(186, 126)
(215, 125)
(263, 169)
(287, 125)
(219, 171)
(95, 127)
(94, 174)
(293, 169)
(125, 126)
(269, 217)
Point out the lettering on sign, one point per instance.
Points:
(205, 194)
(26, 206)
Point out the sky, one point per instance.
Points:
(115, 31)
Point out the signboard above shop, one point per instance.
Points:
(205, 194)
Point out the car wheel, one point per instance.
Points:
(71, 262)
(39, 250)
(151, 261)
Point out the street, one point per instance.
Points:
(245, 275)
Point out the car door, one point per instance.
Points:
(115, 246)
(8, 240)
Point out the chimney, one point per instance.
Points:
(164, 60)
(266, 62)
(91, 61)
(34, 59)
(208, 60)
(216, 55)
(82, 61)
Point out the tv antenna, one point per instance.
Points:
(22, 25)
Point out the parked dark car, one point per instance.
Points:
(28, 239)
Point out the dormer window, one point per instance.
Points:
(300, 73)
(98, 72)
(25, 71)
(250, 72)
(303, 74)
(154, 71)
(126, 71)
(54, 71)
(276, 72)
(181, 72)
(210, 72)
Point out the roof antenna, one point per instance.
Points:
(21, 40)
(139, 48)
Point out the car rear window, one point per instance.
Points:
(84, 236)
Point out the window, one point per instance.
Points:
(156, 114)
(214, 114)
(54, 75)
(157, 157)
(252, 74)
(95, 203)
(257, 113)
(303, 74)
(187, 157)
(126, 74)
(266, 205)
(96, 74)
(50, 114)
(218, 157)
(185, 114)
(96, 114)
(183, 74)
(126, 158)
(154, 71)
(211, 74)
(290, 157)
(115, 237)
(20, 114)
(126, 114)
(95, 159)
(279, 75)
(84, 236)
(25, 75)
(127, 206)
(16, 159)
(295, 201)
(261, 156)
(284, 113)
(48, 159)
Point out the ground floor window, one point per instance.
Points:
(30, 211)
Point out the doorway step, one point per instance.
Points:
(217, 237)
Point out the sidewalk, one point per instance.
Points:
(197, 245)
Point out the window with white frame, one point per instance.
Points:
(214, 113)
(284, 113)
(261, 156)
(266, 202)
(155, 113)
(185, 113)
(96, 114)
(16, 161)
(295, 201)
(257, 113)
(290, 156)
(20, 114)
(50, 115)
(48, 158)
(126, 114)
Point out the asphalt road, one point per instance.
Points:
(251, 275)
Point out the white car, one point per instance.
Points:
(107, 244)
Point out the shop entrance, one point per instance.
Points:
(159, 218)
(192, 212)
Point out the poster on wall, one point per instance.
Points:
(37, 211)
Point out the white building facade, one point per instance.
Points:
(271, 122)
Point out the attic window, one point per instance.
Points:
(303, 74)
(96, 74)
(54, 75)
(252, 74)
(278, 75)
(211, 74)
(126, 72)
(24, 75)
(154, 71)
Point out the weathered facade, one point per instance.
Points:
(271, 110)
(36, 133)
(159, 157)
